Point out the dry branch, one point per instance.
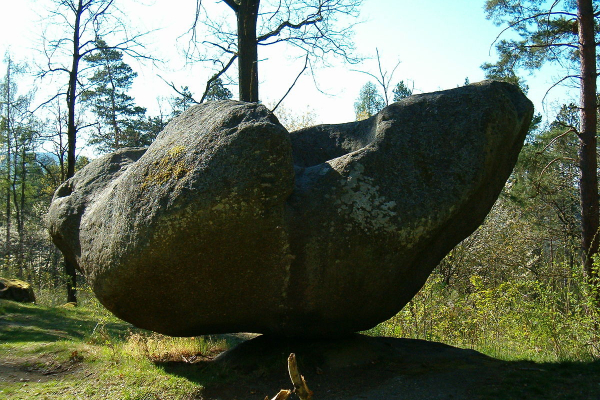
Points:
(300, 387)
(282, 395)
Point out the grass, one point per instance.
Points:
(54, 352)
(513, 321)
(84, 352)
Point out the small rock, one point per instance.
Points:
(16, 290)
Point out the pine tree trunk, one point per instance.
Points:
(587, 153)
(72, 135)
(247, 15)
(18, 211)
(21, 219)
(7, 250)
(113, 108)
(72, 95)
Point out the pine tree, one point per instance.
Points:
(369, 102)
(563, 33)
(121, 122)
(401, 91)
(218, 91)
(184, 99)
(19, 131)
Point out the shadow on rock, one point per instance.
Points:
(355, 367)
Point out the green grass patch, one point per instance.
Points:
(31, 323)
(56, 352)
(85, 352)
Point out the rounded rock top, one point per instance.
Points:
(229, 223)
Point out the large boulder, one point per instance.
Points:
(230, 223)
(16, 290)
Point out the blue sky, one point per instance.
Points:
(439, 44)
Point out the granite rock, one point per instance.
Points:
(229, 223)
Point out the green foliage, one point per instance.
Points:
(122, 123)
(505, 69)
(292, 120)
(369, 101)
(218, 91)
(182, 102)
(85, 352)
(24, 243)
(515, 288)
(514, 319)
(185, 99)
(547, 33)
(401, 91)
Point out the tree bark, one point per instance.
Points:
(21, 219)
(113, 106)
(71, 281)
(72, 134)
(247, 16)
(588, 163)
(72, 94)
(7, 250)
(18, 210)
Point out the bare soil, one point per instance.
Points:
(37, 369)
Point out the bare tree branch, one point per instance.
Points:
(558, 83)
(217, 76)
(554, 139)
(521, 20)
(309, 25)
(231, 3)
(293, 84)
(382, 79)
(182, 94)
(548, 45)
(288, 24)
(196, 19)
(223, 48)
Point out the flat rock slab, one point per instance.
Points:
(228, 223)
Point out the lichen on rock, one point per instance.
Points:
(168, 167)
(228, 222)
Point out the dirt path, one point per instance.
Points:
(36, 369)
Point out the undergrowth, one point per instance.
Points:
(511, 321)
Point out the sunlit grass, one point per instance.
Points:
(514, 321)
(89, 353)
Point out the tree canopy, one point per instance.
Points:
(564, 33)
(369, 101)
(120, 121)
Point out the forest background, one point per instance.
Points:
(516, 286)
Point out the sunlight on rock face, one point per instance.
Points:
(319, 232)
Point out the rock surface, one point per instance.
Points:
(16, 290)
(229, 223)
(352, 368)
